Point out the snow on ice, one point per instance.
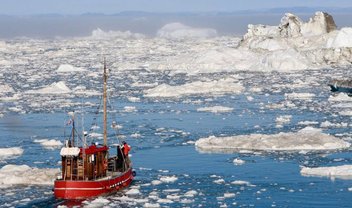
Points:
(306, 139)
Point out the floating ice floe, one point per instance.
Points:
(98, 202)
(49, 144)
(151, 205)
(284, 119)
(343, 171)
(55, 88)
(309, 139)
(299, 96)
(168, 179)
(241, 183)
(129, 109)
(133, 192)
(216, 87)
(25, 175)
(4, 88)
(6, 153)
(238, 161)
(216, 109)
(64, 68)
(340, 97)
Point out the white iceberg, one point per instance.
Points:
(342, 39)
(178, 30)
(308, 139)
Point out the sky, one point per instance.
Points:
(73, 7)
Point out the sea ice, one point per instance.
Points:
(343, 171)
(49, 144)
(168, 179)
(6, 153)
(238, 161)
(63, 68)
(208, 88)
(306, 139)
(54, 88)
(216, 109)
(25, 175)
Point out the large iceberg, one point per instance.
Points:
(291, 45)
(296, 45)
(307, 139)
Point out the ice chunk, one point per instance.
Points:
(216, 87)
(25, 175)
(238, 161)
(151, 205)
(4, 88)
(49, 144)
(133, 192)
(55, 88)
(306, 139)
(69, 68)
(215, 109)
(343, 171)
(6, 153)
(98, 202)
(241, 183)
(168, 179)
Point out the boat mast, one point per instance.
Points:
(104, 104)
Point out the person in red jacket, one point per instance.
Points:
(125, 149)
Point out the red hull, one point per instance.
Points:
(66, 189)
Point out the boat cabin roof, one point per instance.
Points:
(94, 149)
(75, 151)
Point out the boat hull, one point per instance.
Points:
(68, 189)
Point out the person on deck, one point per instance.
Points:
(125, 149)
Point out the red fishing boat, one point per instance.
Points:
(89, 171)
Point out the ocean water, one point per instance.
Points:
(162, 131)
